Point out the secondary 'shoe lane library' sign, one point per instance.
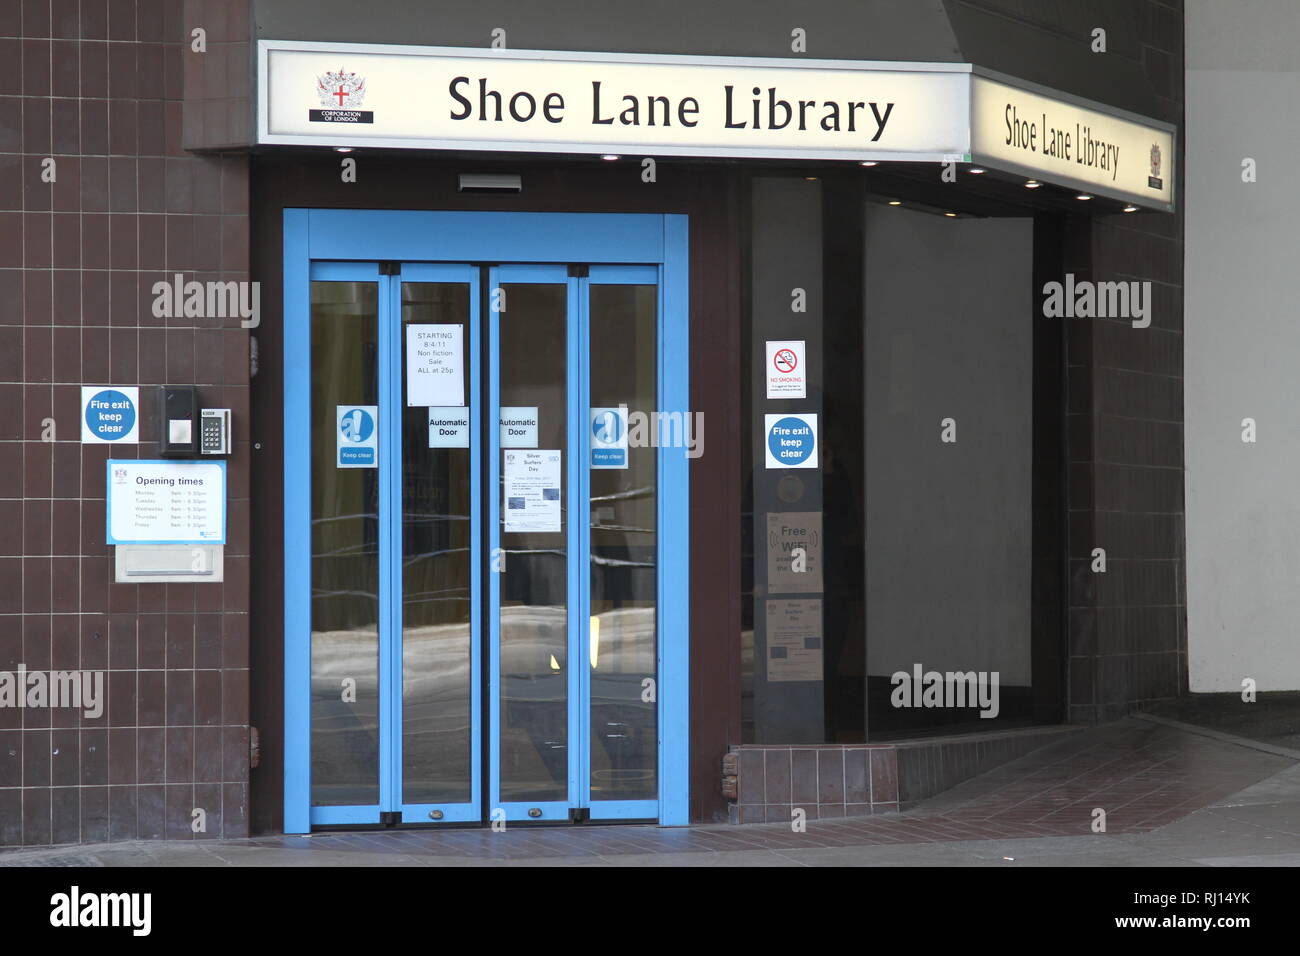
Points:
(1033, 133)
(538, 101)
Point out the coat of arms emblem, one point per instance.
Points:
(340, 89)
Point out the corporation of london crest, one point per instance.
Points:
(340, 90)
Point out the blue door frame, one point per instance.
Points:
(434, 246)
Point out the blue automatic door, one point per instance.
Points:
(485, 517)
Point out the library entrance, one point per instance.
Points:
(485, 556)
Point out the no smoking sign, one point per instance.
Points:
(785, 370)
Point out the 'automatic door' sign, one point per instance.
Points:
(791, 441)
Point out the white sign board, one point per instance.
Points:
(110, 414)
(418, 97)
(518, 426)
(449, 427)
(531, 485)
(786, 370)
(166, 502)
(356, 438)
(435, 365)
(1060, 142)
(794, 640)
(545, 101)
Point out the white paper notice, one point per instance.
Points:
(785, 370)
(531, 490)
(794, 640)
(435, 365)
(788, 570)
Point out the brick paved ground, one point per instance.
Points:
(1171, 797)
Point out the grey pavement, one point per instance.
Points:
(1258, 826)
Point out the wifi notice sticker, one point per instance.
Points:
(786, 370)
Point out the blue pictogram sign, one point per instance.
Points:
(609, 437)
(109, 415)
(357, 440)
(791, 441)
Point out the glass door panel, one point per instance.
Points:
(439, 544)
(531, 579)
(345, 546)
(458, 614)
(622, 350)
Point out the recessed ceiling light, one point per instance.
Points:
(1032, 184)
(975, 170)
(342, 149)
(1083, 196)
(1130, 208)
(896, 202)
(869, 162)
(609, 157)
(951, 215)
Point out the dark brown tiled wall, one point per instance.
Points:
(1128, 626)
(218, 84)
(97, 85)
(1124, 402)
(825, 782)
(832, 781)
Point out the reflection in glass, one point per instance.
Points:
(534, 623)
(624, 755)
(344, 553)
(436, 597)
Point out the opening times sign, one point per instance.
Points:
(166, 502)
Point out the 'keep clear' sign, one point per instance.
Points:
(791, 440)
(110, 415)
(609, 437)
(356, 437)
(435, 365)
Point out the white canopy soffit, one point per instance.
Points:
(379, 95)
